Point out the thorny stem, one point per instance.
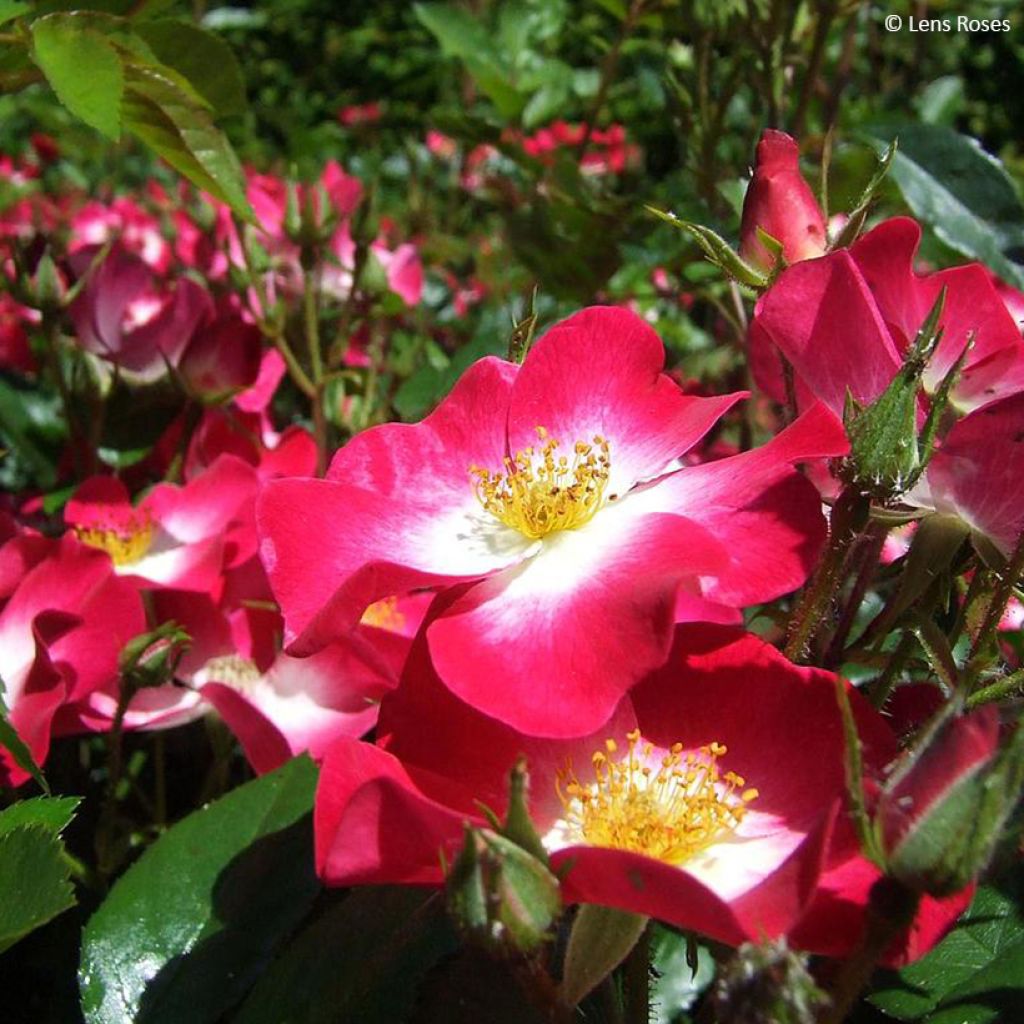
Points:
(817, 598)
(1004, 591)
(1009, 686)
(883, 685)
(977, 586)
(311, 323)
(869, 552)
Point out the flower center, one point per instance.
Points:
(384, 614)
(667, 805)
(126, 542)
(541, 493)
(232, 670)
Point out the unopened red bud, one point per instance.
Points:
(223, 357)
(780, 202)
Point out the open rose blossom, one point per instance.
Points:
(61, 632)
(704, 801)
(279, 706)
(550, 498)
(845, 320)
(176, 537)
(126, 316)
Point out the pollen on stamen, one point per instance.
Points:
(384, 614)
(233, 670)
(126, 541)
(665, 804)
(541, 493)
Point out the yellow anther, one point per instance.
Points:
(648, 804)
(126, 542)
(540, 494)
(384, 614)
(232, 669)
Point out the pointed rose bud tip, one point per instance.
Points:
(781, 204)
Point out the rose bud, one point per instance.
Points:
(780, 202)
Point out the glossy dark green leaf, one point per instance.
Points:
(963, 193)
(361, 959)
(203, 58)
(973, 975)
(194, 922)
(84, 69)
(33, 879)
(166, 118)
(52, 813)
(20, 428)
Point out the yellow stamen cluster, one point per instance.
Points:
(384, 614)
(126, 542)
(233, 670)
(541, 493)
(669, 807)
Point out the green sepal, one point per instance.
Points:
(518, 825)
(718, 251)
(600, 939)
(464, 889)
(885, 453)
(521, 338)
(855, 220)
(528, 895)
(500, 896)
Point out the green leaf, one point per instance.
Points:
(162, 114)
(23, 417)
(192, 924)
(975, 975)
(463, 36)
(361, 959)
(52, 813)
(601, 938)
(33, 879)
(942, 100)
(555, 80)
(203, 58)
(963, 193)
(11, 741)
(11, 9)
(83, 68)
